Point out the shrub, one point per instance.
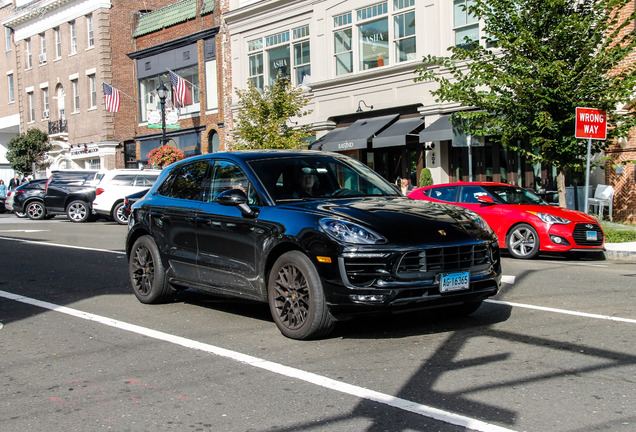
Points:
(425, 177)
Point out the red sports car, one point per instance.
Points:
(524, 223)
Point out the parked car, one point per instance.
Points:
(8, 204)
(72, 192)
(28, 199)
(130, 200)
(346, 243)
(524, 223)
(115, 185)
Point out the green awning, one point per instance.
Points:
(170, 15)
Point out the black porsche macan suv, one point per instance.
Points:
(319, 236)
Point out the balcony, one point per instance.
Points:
(57, 127)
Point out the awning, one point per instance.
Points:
(395, 135)
(440, 130)
(355, 136)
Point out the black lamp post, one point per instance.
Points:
(162, 91)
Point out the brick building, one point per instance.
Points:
(182, 38)
(9, 112)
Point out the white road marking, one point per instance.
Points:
(576, 263)
(564, 311)
(24, 230)
(322, 381)
(510, 280)
(41, 243)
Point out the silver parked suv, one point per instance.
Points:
(115, 185)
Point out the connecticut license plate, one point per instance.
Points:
(454, 282)
(591, 236)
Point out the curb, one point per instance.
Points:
(620, 255)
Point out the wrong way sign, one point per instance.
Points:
(591, 123)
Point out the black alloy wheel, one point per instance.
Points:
(35, 210)
(78, 211)
(296, 298)
(147, 274)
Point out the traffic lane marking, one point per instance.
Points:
(312, 378)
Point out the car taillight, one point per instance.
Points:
(99, 191)
(9, 194)
(46, 188)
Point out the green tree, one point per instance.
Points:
(263, 120)
(27, 149)
(541, 60)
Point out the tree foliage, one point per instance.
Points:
(263, 120)
(541, 60)
(27, 149)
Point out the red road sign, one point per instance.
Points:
(591, 123)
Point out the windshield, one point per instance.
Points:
(318, 177)
(515, 195)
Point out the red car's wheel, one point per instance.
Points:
(523, 241)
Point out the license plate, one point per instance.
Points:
(591, 236)
(454, 282)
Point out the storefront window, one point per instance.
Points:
(343, 50)
(374, 44)
(404, 29)
(302, 67)
(149, 100)
(278, 63)
(256, 71)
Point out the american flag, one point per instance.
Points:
(179, 87)
(111, 98)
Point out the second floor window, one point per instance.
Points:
(29, 54)
(42, 48)
(73, 31)
(11, 89)
(7, 38)
(31, 107)
(58, 42)
(76, 102)
(92, 87)
(466, 26)
(89, 29)
(286, 54)
(45, 102)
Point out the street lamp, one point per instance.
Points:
(162, 91)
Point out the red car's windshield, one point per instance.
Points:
(515, 195)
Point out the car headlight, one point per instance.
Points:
(479, 221)
(551, 219)
(349, 232)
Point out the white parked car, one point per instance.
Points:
(115, 185)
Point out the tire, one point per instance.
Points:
(78, 211)
(147, 274)
(20, 214)
(523, 241)
(296, 298)
(35, 210)
(118, 214)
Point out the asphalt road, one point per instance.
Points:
(554, 351)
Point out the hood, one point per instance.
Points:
(403, 221)
(572, 215)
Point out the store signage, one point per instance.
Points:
(345, 145)
(591, 123)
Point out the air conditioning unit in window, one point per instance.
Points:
(45, 114)
(43, 58)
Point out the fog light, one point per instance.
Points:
(559, 240)
(373, 298)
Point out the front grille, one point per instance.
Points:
(424, 264)
(580, 234)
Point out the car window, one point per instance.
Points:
(446, 193)
(470, 194)
(187, 181)
(146, 180)
(515, 195)
(123, 180)
(226, 176)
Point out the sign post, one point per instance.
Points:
(591, 123)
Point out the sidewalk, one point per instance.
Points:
(621, 251)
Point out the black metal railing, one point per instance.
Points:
(57, 127)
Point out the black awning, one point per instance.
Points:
(395, 135)
(440, 130)
(355, 136)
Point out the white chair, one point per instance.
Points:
(603, 197)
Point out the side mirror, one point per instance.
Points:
(485, 199)
(236, 198)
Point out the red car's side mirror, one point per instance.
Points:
(485, 199)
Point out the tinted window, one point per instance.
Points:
(186, 181)
(515, 195)
(226, 176)
(446, 193)
(470, 194)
